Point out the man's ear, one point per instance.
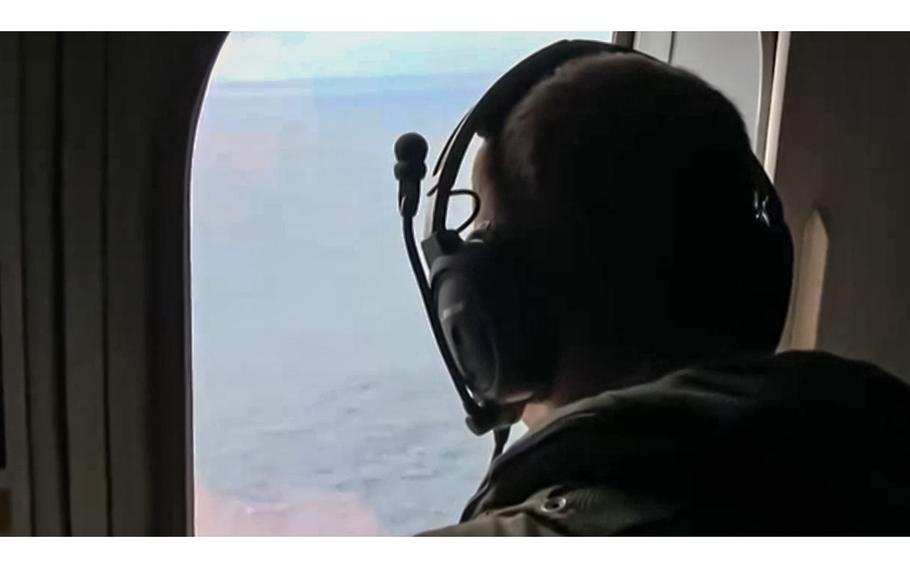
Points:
(482, 184)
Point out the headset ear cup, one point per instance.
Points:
(468, 329)
(772, 267)
(773, 279)
(496, 322)
(763, 278)
(757, 288)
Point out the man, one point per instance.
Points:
(670, 412)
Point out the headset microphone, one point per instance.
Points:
(411, 151)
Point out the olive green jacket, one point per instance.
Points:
(802, 443)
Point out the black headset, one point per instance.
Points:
(486, 303)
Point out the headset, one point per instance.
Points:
(485, 300)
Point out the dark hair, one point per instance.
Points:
(638, 176)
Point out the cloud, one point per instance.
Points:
(276, 56)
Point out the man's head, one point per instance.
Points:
(631, 182)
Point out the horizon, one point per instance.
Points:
(264, 56)
(243, 83)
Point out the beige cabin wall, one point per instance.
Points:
(842, 171)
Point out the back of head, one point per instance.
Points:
(633, 179)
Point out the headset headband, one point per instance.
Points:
(488, 114)
(486, 117)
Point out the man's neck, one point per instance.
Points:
(536, 414)
(583, 375)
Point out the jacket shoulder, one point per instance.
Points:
(566, 511)
(517, 524)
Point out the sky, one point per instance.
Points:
(303, 55)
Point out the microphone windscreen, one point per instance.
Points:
(411, 147)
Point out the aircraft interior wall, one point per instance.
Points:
(843, 173)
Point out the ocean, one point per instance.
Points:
(321, 405)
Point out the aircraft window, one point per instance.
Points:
(321, 405)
